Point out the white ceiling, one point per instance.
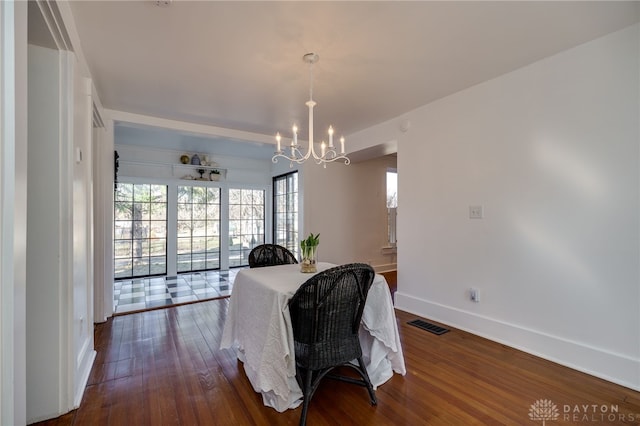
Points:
(239, 64)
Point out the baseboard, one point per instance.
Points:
(613, 367)
(83, 376)
(387, 267)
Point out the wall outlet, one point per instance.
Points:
(474, 295)
(475, 212)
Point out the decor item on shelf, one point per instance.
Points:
(328, 153)
(214, 175)
(184, 159)
(309, 253)
(201, 171)
(195, 160)
(116, 166)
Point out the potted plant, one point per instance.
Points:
(214, 175)
(309, 248)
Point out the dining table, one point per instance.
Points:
(258, 328)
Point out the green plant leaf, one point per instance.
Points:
(309, 244)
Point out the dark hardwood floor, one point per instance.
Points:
(164, 367)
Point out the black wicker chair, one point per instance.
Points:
(325, 313)
(270, 255)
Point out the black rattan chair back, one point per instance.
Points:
(270, 255)
(325, 314)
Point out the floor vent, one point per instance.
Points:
(431, 328)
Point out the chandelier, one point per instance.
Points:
(328, 153)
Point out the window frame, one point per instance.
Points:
(208, 221)
(289, 243)
(392, 208)
(133, 201)
(257, 238)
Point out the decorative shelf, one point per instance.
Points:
(179, 170)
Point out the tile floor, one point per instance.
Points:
(155, 292)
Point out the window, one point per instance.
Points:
(285, 211)
(392, 204)
(198, 228)
(140, 230)
(246, 224)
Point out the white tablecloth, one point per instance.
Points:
(258, 327)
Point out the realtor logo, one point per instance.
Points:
(543, 410)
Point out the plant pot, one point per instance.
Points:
(309, 262)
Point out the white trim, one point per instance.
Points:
(388, 267)
(65, 225)
(88, 356)
(7, 139)
(67, 23)
(53, 20)
(102, 222)
(595, 361)
(13, 163)
(139, 120)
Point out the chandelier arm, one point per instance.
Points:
(292, 159)
(346, 159)
(306, 156)
(296, 155)
(299, 158)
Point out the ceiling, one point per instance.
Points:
(239, 65)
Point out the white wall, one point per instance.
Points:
(82, 193)
(59, 319)
(44, 235)
(347, 206)
(551, 151)
(136, 161)
(25, 167)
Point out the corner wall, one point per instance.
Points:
(347, 206)
(551, 152)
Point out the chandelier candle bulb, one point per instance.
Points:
(323, 146)
(342, 145)
(330, 137)
(295, 135)
(278, 137)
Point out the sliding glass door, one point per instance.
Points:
(185, 227)
(140, 230)
(198, 228)
(246, 224)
